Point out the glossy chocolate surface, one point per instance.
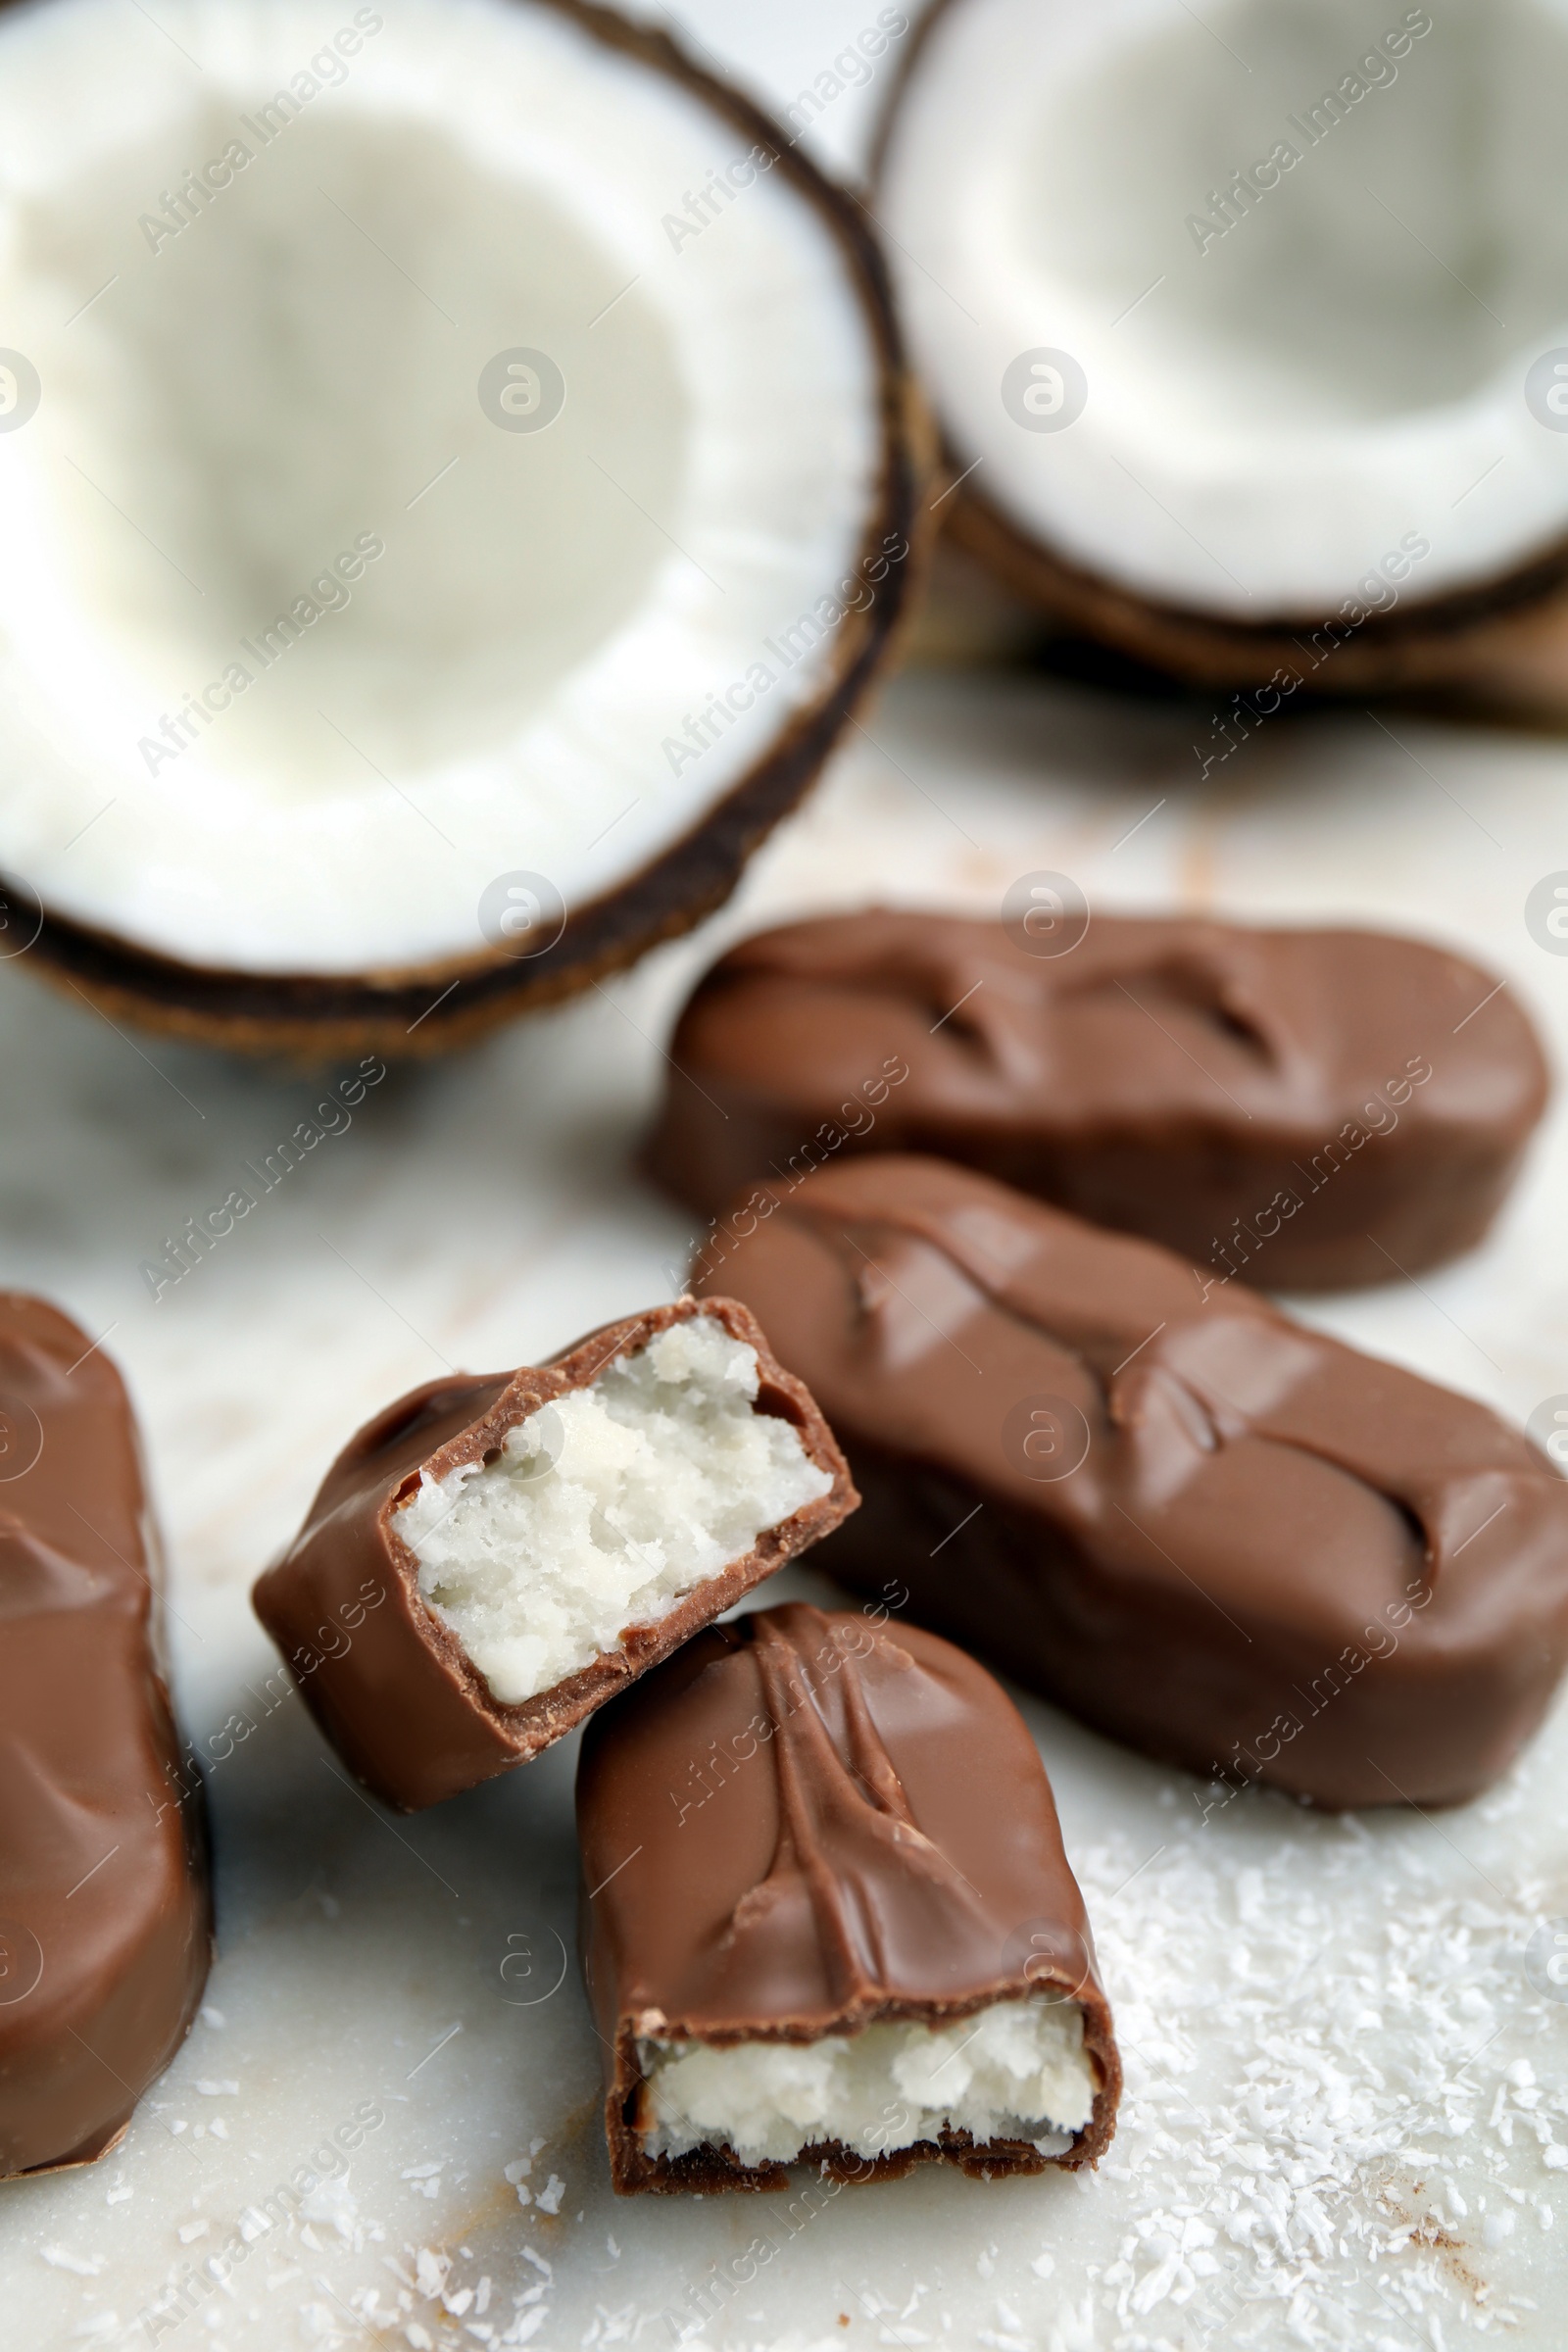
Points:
(105, 1918)
(1149, 1495)
(804, 1824)
(389, 1684)
(1308, 1109)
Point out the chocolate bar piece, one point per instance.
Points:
(1307, 1109)
(105, 1915)
(1149, 1495)
(491, 1558)
(827, 1918)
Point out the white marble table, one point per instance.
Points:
(1347, 2103)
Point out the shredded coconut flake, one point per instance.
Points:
(607, 1507)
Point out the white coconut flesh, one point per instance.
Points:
(1327, 376)
(1018, 2070)
(260, 404)
(606, 1508)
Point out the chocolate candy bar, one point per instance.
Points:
(1148, 1495)
(105, 1916)
(826, 1918)
(1304, 1110)
(492, 1557)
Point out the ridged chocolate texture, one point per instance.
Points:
(389, 1684)
(880, 1842)
(105, 1916)
(1217, 1536)
(1309, 1109)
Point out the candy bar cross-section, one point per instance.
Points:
(827, 1919)
(105, 1915)
(1304, 1110)
(1224, 1538)
(491, 1558)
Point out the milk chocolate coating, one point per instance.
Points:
(880, 1842)
(1310, 1109)
(389, 1684)
(105, 1916)
(1275, 1559)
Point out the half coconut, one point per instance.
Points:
(457, 479)
(1246, 327)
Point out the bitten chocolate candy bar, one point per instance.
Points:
(827, 1918)
(491, 1558)
(105, 1917)
(1304, 1110)
(1222, 1537)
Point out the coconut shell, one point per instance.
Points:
(425, 1009)
(1497, 648)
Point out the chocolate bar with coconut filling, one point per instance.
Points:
(105, 1914)
(492, 1557)
(1296, 1109)
(1216, 1535)
(827, 1918)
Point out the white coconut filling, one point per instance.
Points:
(606, 1508)
(300, 648)
(1336, 364)
(1018, 2070)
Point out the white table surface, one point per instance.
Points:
(1345, 2095)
